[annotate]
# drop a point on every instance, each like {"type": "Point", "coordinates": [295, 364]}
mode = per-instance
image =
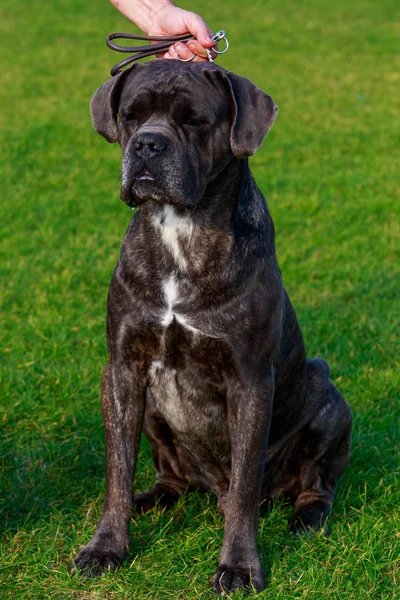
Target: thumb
{"type": "Point", "coordinates": [199, 29]}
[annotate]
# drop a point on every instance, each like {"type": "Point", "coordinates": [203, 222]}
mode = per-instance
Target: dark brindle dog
{"type": "Point", "coordinates": [205, 352]}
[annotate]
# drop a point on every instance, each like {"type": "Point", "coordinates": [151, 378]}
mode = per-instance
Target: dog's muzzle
{"type": "Point", "coordinates": [142, 170]}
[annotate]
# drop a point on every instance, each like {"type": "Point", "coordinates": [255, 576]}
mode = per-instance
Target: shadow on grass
{"type": "Point", "coordinates": [39, 478]}
{"type": "Point", "coordinates": [49, 471]}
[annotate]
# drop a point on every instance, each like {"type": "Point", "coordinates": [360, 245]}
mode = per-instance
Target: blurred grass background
{"type": "Point", "coordinates": [330, 172]}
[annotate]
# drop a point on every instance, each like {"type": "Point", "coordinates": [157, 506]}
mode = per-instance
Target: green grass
{"type": "Point", "coordinates": [329, 169]}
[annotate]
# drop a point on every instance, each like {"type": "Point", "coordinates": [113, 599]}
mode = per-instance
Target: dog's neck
{"type": "Point", "coordinates": [201, 238]}
{"type": "Point", "coordinates": [217, 206]}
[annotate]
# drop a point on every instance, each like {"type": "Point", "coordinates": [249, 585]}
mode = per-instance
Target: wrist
{"type": "Point", "coordinates": [141, 12]}
{"type": "Point", "coordinates": [154, 10]}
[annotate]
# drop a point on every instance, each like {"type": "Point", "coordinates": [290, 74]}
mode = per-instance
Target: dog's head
{"type": "Point", "coordinates": [179, 125]}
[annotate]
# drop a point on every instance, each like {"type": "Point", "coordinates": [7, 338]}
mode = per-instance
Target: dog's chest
{"type": "Point", "coordinates": [188, 394]}
{"type": "Point", "coordinates": [174, 232]}
{"type": "Point", "coordinates": [187, 401]}
{"type": "Point", "coordinates": [184, 372]}
{"type": "Point", "coordinates": [174, 341]}
{"type": "Point", "coordinates": [173, 308]}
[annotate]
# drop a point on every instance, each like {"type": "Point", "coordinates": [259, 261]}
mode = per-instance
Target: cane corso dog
{"type": "Point", "coordinates": [205, 351]}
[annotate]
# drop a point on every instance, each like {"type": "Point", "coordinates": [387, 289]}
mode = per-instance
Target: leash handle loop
{"type": "Point", "coordinates": [165, 41]}
{"type": "Point", "coordinates": [163, 45]}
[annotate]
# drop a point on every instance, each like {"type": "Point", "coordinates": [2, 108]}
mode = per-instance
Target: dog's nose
{"type": "Point", "coordinates": [147, 145]}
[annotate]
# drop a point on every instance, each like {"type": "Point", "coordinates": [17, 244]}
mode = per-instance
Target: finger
{"type": "Point", "coordinates": [166, 55]}
{"type": "Point", "coordinates": [183, 51]}
{"type": "Point", "coordinates": [169, 54]}
{"type": "Point", "coordinates": [199, 59]}
{"type": "Point", "coordinates": [200, 29]}
{"type": "Point", "coordinates": [199, 50]}
{"type": "Point", "coordinates": [172, 53]}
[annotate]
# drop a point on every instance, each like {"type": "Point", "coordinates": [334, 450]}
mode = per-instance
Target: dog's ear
{"type": "Point", "coordinates": [104, 106]}
{"type": "Point", "coordinates": [253, 115]}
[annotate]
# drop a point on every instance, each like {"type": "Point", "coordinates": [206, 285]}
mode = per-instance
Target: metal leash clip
{"type": "Point", "coordinates": [162, 45]}
{"type": "Point", "coordinates": [220, 35]}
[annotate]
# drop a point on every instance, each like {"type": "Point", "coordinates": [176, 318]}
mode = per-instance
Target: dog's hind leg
{"type": "Point", "coordinates": [323, 452]}
{"type": "Point", "coordinates": [170, 480]}
{"type": "Point", "coordinates": [158, 494]}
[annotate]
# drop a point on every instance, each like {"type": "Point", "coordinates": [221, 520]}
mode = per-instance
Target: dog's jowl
{"type": "Point", "coordinates": [205, 352]}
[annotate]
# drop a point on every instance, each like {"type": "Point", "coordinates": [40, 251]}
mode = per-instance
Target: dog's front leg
{"type": "Point", "coordinates": [249, 414]}
{"type": "Point", "coordinates": [123, 404]}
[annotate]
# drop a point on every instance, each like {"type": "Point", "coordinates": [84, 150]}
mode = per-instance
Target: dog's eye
{"type": "Point", "coordinates": [130, 118]}
{"type": "Point", "coordinates": [192, 123]}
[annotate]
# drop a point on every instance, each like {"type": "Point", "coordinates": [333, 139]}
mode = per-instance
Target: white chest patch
{"type": "Point", "coordinates": [171, 296]}
{"type": "Point", "coordinates": [170, 289]}
{"type": "Point", "coordinates": [174, 227]}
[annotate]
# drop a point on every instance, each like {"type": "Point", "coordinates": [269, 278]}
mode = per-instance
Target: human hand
{"type": "Point", "coordinates": [171, 20]}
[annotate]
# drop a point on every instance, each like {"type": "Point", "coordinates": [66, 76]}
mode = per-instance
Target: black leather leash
{"type": "Point", "coordinates": [163, 45]}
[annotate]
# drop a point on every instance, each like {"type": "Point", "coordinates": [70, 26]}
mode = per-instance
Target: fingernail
{"type": "Point", "coordinates": [191, 45]}
{"type": "Point", "coordinates": [178, 47]}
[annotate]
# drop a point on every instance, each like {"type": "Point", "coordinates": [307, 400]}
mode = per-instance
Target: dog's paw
{"type": "Point", "coordinates": [309, 519]}
{"type": "Point", "coordinates": [229, 579]}
{"type": "Point", "coordinates": [92, 563]}
{"type": "Point", "coordinates": [145, 501]}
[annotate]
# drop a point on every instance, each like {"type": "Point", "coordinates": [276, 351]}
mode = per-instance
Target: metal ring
{"type": "Point", "coordinates": [185, 59]}
{"type": "Point", "coordinates": [217, 38]}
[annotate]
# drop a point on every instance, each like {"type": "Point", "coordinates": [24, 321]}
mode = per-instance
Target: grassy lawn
{"type": "Point", "coordinates": [330, 172]}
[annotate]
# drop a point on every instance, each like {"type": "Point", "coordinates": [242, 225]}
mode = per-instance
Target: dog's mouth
{"type": "Point", "coordinates": [144, 175]}
{"type": "Point", "coordinates": [142, 186]}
